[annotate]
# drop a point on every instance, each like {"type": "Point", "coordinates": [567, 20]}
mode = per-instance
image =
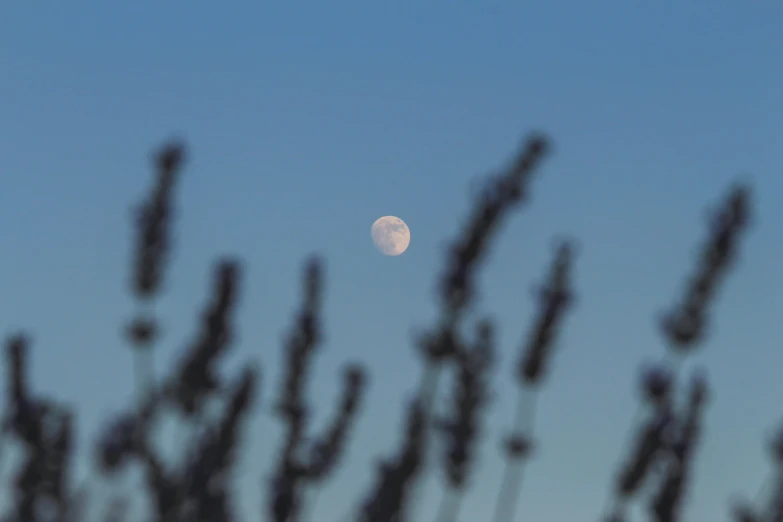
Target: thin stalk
{"type": "Point", "coordinates": [428, 388]}
{"type": "Point", "coordinates": [143, 371]}
{"type": "Point", "coordinates": [308, 506]}
{"type": "Point", "coordinates": [449, 506]}
{"type": "Point", "coordinates": [513, 473]}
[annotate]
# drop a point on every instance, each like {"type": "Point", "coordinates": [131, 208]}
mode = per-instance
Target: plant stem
{"type": "Point", "coordinates": [449, 506]}
{"type": "Point", "coordinates": [513, 473]}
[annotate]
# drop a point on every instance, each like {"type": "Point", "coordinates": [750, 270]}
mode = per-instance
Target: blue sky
{"type": "Point", "coordinates": [307, 121]}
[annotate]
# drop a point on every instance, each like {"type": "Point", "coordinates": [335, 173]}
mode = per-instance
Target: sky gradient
{"type": "Point", "coordinates": [306, 121]}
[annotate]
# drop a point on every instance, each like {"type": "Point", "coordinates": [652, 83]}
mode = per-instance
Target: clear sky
{"type": "Point", "coordinates": [309, 120]}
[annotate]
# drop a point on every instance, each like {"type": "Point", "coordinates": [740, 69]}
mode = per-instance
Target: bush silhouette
{"type": "Point", "coordinates": [44, 488]}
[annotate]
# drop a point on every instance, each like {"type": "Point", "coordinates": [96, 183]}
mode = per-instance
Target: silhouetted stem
{"type": "Point", "coordinates": [513, 473]}
{"type": "Point", "coordinates": [143, 371]}
{"type": "Point", "coordinates": [308, 504]}
{"type": "Point", "coordinates": [449, 506]}
{"type": "Point", "coordinates": [509, 491]}
{"type": "Point", "coordinates": [427, 391]}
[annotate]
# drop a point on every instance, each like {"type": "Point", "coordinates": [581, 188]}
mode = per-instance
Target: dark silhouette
{"type": "Point", "coordinates": [43, 487]}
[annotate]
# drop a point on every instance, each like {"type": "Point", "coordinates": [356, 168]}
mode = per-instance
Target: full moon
{"type": "Point", "coordinates": [390, 235]}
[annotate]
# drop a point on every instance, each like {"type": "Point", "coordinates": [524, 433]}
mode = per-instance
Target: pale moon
{"type": "Point", "coordinates": [391, 235]}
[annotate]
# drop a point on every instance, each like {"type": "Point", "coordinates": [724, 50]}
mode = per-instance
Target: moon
{"type": "Point", "coordinates": [391, 235]}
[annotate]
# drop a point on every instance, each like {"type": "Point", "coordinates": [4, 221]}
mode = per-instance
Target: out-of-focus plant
{"type": "Point", "coordinates": [198, 489]}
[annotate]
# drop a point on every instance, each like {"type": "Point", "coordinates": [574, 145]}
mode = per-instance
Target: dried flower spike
{"type": "Point", "coordinates": [154, 220]}
{"type": "Point", "coordinates": [471, 392]}
{"type": "Point", "coordinates": [657, 384]}
{"type": "Point", "coordinates": [555, 298]}
{"type": "Point", "coordinates": [686, 325]}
